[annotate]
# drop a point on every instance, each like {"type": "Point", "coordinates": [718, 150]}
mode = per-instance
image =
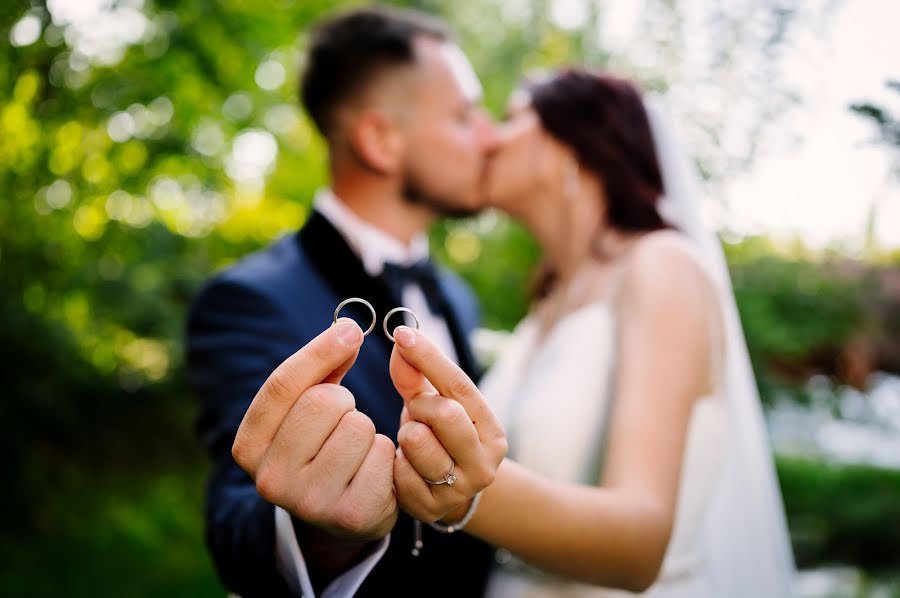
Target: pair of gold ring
{"type": "Point", "coordinates": [374, 315]}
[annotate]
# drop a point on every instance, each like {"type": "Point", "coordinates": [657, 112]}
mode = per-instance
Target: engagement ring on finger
{"type": "Point", "coordinates": [449, 479]}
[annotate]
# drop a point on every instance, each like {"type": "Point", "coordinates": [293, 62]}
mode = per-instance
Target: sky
{"type": "Point", "coordinates": [823, 189]}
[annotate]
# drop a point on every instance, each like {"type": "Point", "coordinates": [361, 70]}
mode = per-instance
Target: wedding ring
{"type": "Point", "coordinates": [357, 300]}
{"type": "Point", "coordinates": [392, 312]}
{"type": "Point", "coordinates": [449, 479]}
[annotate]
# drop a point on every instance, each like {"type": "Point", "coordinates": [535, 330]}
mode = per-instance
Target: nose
{"type": "Point", "coordinates": [486, 131]}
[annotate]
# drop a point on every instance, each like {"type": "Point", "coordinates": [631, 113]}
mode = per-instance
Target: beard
{"type": "Point", "coordinates": [414, 192]}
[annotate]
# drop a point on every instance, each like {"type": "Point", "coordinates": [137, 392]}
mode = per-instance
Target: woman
{"type": "Point", "coordinates": [625, 394]}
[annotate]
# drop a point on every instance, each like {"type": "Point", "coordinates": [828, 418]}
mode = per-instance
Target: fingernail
{"type": "Point", "coordinates": [404, 336]}
{"type": "Point", "coordinates": [348, 331]}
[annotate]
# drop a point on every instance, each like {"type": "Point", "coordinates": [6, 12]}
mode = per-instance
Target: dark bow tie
{"type": "Point", "coordinates": [423, 274]}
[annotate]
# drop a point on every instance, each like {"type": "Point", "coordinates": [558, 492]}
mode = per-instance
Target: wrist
{"type": "Point", "coordinates": [329, 553]}
{"type": "Point", "coordinates": [456, 514]}
{"type": "Point", "coordinates": [458, 524]}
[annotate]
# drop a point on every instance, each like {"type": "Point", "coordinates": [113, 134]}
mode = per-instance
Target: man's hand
{"type": "Point", "coordinates": [445, 422]}
{"type": "Point", "coordinates": [310, 451]}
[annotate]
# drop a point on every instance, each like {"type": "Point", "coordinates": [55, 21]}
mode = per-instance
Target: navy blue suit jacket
{"type": "Point", "coordinates": [245, 322]}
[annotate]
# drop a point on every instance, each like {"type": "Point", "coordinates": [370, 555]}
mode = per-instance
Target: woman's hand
{"type": "Point", "coordinates": [448, 433]}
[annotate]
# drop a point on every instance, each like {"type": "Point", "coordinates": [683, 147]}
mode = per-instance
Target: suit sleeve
{"type": "Point", "coordinates": [231, 333]}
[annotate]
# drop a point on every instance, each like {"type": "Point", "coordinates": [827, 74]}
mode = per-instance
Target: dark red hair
{"type": "Point", "coordinates": [603, 120]}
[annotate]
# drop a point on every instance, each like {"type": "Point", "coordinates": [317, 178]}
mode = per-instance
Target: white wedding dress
{"type": "Point", "coordinates": [555, 399]}
{"type": "Point", "coordinates": [730, 538]}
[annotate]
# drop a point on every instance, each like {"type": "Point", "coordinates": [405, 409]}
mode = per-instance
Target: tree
{"type": "Point", "coordinates": [144, 145]}
{"type": "Point", "coordinates": [887, 125]}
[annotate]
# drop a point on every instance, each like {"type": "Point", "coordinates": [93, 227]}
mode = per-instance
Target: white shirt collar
{"type": "Point", "coordinates": [374, 247]}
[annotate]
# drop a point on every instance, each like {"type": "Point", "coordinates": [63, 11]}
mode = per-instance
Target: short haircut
{"type": "Point", "coordinates": [347, 52]}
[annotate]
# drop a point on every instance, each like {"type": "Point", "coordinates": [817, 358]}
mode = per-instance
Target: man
{"type": "Point", "coordinates": [311, 505]}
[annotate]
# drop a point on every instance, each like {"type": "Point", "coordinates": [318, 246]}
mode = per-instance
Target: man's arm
{"type": "Point", "coordinates": [229, 330]}
{"type": "Point", "coordinates": [227, 362]}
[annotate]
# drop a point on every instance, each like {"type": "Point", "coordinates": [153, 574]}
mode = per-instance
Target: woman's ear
{"type": "Point", "coordinates": [377, 142]}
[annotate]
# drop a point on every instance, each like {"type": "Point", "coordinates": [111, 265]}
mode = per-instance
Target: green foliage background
{"type": "Point", "coordinates": [103, 242]}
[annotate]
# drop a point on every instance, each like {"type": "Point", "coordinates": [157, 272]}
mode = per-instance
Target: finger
{"type": "Point", "coordinates": [371, 491]}
{"type": "Point", "coordinates": [408, 381]}
{"type": "Point", "coordinates": [337, 376]}
{"type": "Point", "coordinates": [306, 427]}
{"type": "Point", "coordinates": [328, 356]}
{"type": "Point", "coordinates": [341, 456]}
{"type": "Point", "coordinates": [413, 493]}
{"type": "Point", "coordinates": [447, 377]}
{"type": "Point", "coordinates": [423, 356]}
{"type": "Point", "coordinates": [425, 452]}
{"type": "Point", "coordinates": [448, 422]}
{"type": "Point", "coordinates": [325, 358]}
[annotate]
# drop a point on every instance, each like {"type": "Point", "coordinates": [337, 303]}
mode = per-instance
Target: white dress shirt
{"type": "Point", "coordinates": [375, 248]}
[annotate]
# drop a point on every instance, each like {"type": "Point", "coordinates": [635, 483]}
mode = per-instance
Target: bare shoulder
{"type": "Point", "coordinates": [665, 265]}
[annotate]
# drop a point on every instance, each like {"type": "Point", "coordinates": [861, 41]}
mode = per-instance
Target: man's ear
{"type": "Point", "coordinates": [377, 142]}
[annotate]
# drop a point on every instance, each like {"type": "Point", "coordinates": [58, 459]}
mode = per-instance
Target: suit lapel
{"type": "Point", "coordinates": [341, 268]}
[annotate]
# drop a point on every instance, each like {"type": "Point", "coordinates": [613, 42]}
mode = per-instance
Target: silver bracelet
{"type": "Point", "coordinates": [455, 527]}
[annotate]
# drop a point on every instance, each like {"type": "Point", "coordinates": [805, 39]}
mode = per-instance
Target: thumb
{"type": "Point", "coordinates": [344, 325]}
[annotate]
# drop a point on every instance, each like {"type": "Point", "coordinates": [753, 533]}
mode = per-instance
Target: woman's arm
{"type": "Point", "coordinates": [617, 534]}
